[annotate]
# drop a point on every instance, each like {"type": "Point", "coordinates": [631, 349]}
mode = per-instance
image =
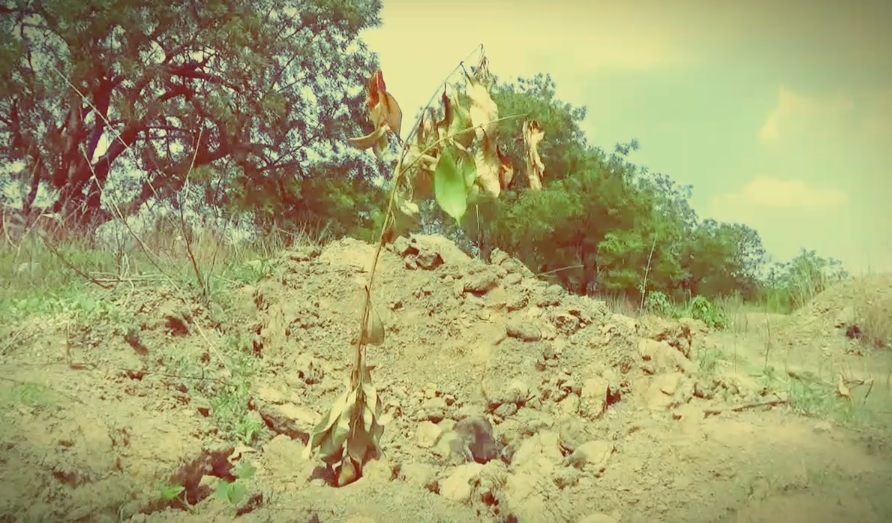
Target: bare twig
{"type": "Point", "coordinates": [71, 266]}
{"type": "Point", "coordinates": [646, 271]}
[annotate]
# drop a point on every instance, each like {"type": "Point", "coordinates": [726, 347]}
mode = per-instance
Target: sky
{"type": "Point", "coordinates": [779, 114]}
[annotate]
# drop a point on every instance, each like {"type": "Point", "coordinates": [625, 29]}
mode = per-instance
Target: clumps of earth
{"type": "Point", "coordinates": [511, 400]}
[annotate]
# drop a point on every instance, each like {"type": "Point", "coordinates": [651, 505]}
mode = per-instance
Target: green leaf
{"type": "Point", "coordinates": [450, 186]}
{"type": "Point", "coordinates": [170, 492]}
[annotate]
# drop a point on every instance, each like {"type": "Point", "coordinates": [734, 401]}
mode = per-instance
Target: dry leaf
{"type": "Point", "coordinates": [481, 72]}
{"type": "Point", "coordinates": [506, 168]}
{"type": "Point", "coordinates": [842, 389]}
{"type": "Point", "coordinates": [488, 169]}
{"type": "Point", "coordinates": [484, 111]}
{"type": "Point", "coordinates": [532, 137]}
{"type": "Point", "coordinates": [456, 123]}
{"type": "Point", "coordinates": [370, 140]}
{"type": "Point", "coordinates": [383, 107]}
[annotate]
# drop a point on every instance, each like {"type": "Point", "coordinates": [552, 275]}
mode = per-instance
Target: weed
{"type": "Point", "coordinates": [170, 493]}
{"type": "Point", "coordinates": [29, 394]}
{"type": "Point", "coordinates": [709, 360]}
{"type": "Point", "coordinates": [702, 309]}
{"type": "Point", "coordinates": [236, 492]}
{"type": "Point", "coordinates": [658, 303]}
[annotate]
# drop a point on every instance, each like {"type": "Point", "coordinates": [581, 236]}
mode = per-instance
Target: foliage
{"type": "Point", "coordinates": [793, 284]}
{"type": "Point", "coordinates": [600, 223]}
{"type": "Point", "coordinates": [658, 303]}
{"type": "Point", "coordinates": [702, 309]}
{"type": "Point", "coordinates": [249, 102]}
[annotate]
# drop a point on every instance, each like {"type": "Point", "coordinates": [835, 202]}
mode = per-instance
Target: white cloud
{"type": "Point", "coordinates": [796, 112]}
{"type": "Point", "coordinates": [776, 193]}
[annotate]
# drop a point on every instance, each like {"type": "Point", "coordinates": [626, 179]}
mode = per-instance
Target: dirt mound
{"type": "Point", "coordinates": [511, 401]}
{"type": "Point", "coordinates": [854, 309]}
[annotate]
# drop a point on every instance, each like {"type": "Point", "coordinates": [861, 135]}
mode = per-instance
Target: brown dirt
{"type": "Point", "coordinates": [596, 417]}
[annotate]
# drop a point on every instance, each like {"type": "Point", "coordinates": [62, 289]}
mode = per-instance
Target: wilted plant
{"type": "Point", "coordinates": [453, 157]}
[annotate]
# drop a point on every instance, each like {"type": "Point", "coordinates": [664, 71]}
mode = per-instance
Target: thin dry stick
{"type": "Point", "coordinates": [205, 290]}
{"type": "Point", "coordinates": [71, 266]}
{"type": "Point", "coordinates": [114, 205]}
{"type": "Point", "coordinates": [767, 341]}
{"type": "Point", "coordinates": [152, 257]}
{"type": "Point", "coordinates": [646, 271]}
{"type": "Point", "coordinates": [358, 370]}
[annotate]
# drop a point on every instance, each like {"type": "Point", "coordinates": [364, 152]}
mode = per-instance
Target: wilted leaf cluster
{"type": "Point", "coordinates": [455, 156]}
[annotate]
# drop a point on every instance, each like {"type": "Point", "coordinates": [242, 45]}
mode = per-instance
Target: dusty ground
{"type": "Point", "coordinates": [141, 405]}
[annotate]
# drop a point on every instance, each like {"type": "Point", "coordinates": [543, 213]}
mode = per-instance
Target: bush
{"type": "Point", "coordinates": [704, 310]}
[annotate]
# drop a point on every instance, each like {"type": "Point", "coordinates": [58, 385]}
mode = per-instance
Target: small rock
{"type": "Point", "coordinates": [573, 433]}
{"type": "Point", "coordinates": [378, 469]}
{"type": "Point", "coordinates": [533, 496]}
{"type": "Point", "coordinates": [434, 409]}
{"type": "Point", "coordinates": [550, 296]}
{"type": "Point", "coordinates": [569, 406]}
{"type": "Point", "coordinates": [426, 434]}
{"type": "Point", "coordinates": [401, 245]}
{"type": "Point", "coordinates": [505, 410]}
{"type": "Point", "coordinates": [290, 419]}
{"type": "Point", "coordinates": [539, 454]}
{"type": "Point", "coordinates": [661, 393]}
{"type": "Point", "coordinates": [419, 474]}
{"type": "Point", "coordinates": [304, 253]}
{"type": "Point", "coordinates": [565, 477]}
{"type": "Point", "coordinates": [593, 397]}
{"type": "Point", "coordinates": [513, 278]}
{"type": "Point", "coordinates": [481, 283]}
{"type": "Point", "coordinates": [533, 420]}
{"type": "Point", "coordinates": [514, 266]}
{"type": "Point", "coordinates": [458, 485]}
{"type": "Point", "coordinates": [428, 260]}
{"type": "Point", "coordinates": [492, 479]}
{"type": "Point", "coordinates": [517, 301]}
{"type": "Point", "coordinates": [517, 392]}
{"type": "Point", "coordinates": [593, 453]}
{"type": "Point", "coordinates": [477, 433]}
{"type": "Point", "coordinates": [497, 256]}
{"type": "Point", "coordinates": [469, 410]}
{"type": "Point", "coordinates": [452, 449]}
{"type": "Point", "coordinates": [523, 330]}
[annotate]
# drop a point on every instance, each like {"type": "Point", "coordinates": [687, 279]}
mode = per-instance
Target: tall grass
{"type": "Point", "coordinates": [52, 257]}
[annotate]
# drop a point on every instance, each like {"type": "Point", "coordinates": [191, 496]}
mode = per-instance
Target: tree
{"type": "Point", "coordinates": [248, 97]}
{"type": "Point", "coordinates": [602, 222]}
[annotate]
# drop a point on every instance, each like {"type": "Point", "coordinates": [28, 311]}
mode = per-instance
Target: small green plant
{"type": "Point", "coordinates": [658, 303]}
{"type": "Point", "coordinates": [170, 492]}
{"type": "Point", "coordinates": [30, 394]}
{"type": "Point", "coordinates": [229, 403]}
{"type": "Point", "coordinates": [707, 312]}
{"type": "Point", "coordinates": [236, 492]}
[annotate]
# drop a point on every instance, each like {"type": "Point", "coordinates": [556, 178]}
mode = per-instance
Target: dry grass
{"type": "Point", "coordinates": [622, 305]}
{"type": "Point", "coordinates": [873, 311]}
{"type": "Point", "coordinates": [51, 256]}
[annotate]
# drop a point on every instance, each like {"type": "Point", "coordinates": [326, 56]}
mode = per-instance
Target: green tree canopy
{"type": "Point", "coordinates": [602, 222]}
{"type": "Point", "coordinates": [254, 98]}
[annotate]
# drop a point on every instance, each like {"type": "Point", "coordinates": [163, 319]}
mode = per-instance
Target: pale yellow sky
{"type": "Point", "coordinates": [778, 113]}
